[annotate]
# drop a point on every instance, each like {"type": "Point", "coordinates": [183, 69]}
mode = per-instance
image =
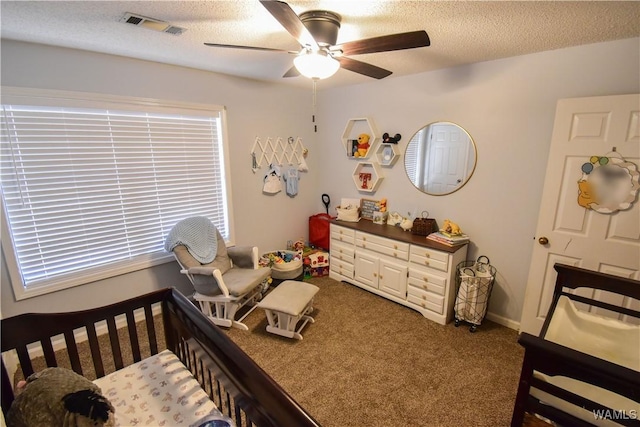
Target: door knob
{"type": "Point", "coordinates": [543, 241]}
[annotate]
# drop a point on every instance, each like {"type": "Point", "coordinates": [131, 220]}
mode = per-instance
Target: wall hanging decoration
{"type": "Point", "coordinates": [279, 152]}
{"type": "Point", "coordinates": [608, 184]}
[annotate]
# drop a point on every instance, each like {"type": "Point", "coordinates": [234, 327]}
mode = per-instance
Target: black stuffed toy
{"type": "Point", "coordinates": [388, 139]}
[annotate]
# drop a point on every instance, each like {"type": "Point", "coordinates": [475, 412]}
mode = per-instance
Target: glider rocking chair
{"type": "Point", "coordinates": [225, 279]}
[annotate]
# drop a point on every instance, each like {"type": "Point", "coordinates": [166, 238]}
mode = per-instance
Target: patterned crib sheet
{"type": "Point", "coordinates": [157, 391]}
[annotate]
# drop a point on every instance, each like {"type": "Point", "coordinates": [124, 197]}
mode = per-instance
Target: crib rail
{"type": "Point", "coordinates": [239, 387]}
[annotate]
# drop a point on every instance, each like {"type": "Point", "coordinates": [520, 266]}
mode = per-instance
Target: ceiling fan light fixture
{"type": "Point", "coordinates": [316, 65]}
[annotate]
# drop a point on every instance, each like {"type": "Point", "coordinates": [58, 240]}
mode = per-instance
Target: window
{"type": "Point", "coordinates": [91, 185]}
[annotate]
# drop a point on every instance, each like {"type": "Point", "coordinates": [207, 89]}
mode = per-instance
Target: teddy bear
{"type": "Point", "coordinates": [451, 228]}
{"type": "Point", "coordinates": [382, 205]}
{"type": "Point", "coordinates": [363, 145]}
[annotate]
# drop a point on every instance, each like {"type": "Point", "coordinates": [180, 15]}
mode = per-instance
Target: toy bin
{"type": "Point", "coordinates": [285, 265]}
{"type": "Point", "coordinates": [474, 280]}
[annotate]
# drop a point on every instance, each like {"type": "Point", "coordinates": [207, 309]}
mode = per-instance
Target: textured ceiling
{"type": "Point", "coordinates": [461, 32]}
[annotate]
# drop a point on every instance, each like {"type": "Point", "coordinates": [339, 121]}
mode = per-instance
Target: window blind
{"type": "Point", "coordinates": [86, 189]}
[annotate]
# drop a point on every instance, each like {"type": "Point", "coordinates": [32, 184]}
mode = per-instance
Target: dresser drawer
{"type": "Point", "coordinates": [427, 281]}
{"type": "Point", "coordinates": [341, 267]}
{"type": "Point", "coordinates": [342, 252]}
{"type": "Point", "coordinates": [341, 234]}
{"type": "Point", "coordinates": [426, 300]}
{"type": "Point", "coordinates": [429, 258]}
{"type": "Point", "coordinates": [392, 248]}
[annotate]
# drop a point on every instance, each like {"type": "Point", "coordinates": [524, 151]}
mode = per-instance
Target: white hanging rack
{"type": "Point", "coordinates": [278, 153]}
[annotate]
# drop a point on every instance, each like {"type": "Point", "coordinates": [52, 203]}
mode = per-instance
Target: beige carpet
{"type": "Point", "coordinates": [367, 361]}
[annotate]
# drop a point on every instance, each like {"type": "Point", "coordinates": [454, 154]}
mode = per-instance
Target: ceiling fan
{"type": "Point", "coordinates": [317, 33]}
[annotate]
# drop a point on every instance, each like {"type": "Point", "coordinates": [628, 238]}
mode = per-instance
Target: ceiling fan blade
{"type": "Point", "coordinates": [292, 72]}
{"type": "Point", "coordinates": [398, 41]}
{"type": "Point", "coordinates": [233, 46]}
{"type": "Point", "coordinates": [290, 21]}
{"type": "Point", "coordinates": [363, 68]}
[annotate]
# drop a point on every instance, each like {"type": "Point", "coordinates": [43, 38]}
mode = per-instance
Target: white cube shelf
{"type": "Point", "coordinates": [367, 176]}
{"type": "Point", "coordinates": [387, 154]}
{"type": "Point", "coordinates": [354, 128]}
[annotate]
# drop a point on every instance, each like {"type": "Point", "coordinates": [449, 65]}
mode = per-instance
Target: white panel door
{"type": "Point", "coordinates": [584, 127]}
{"type": "Point", "coordinates": [366, 268]}
{"type": "Point", "coordinates": [392, 278]}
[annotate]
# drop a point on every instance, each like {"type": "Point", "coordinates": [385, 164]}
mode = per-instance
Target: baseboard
{"type": "Point", "coordinates": [35, 350]}
{"type": "Point", "coordinates": [511, 324]}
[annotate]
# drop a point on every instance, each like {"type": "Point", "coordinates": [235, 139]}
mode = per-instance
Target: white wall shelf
{"type": "Point", "coordinates": [356, 127]}
{"type": "Point", "coordinates": [367, 176]}
{"type": "Point", "coordinates": [387, 154]}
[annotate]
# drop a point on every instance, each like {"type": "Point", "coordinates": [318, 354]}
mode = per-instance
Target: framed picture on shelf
{"type": "Point", "coordinates": [368, 207]}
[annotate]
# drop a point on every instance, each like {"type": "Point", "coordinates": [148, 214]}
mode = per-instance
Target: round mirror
{"type": "Point", "coordinates": [440, 158]}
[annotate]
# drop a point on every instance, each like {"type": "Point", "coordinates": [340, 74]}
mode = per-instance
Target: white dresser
{"type": "Point", "coordinates": [397, 265]}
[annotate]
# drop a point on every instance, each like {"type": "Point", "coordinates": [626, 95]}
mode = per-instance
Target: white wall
{"type": "Point", "coordinates": [253, 109]}
{"type": "Point", "coordinates": [508, 107]}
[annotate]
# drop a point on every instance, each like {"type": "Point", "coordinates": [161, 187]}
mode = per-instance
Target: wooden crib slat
{"type": "Point", "coordinates": [115, 343]}
{"type": "Point", "coordinates": [238, 415]}
{"type": "Point", "coordinates": [133, 337]}
{"type": "Point", "coordinates": [151, 329]}
{"type": "Point", "coordinates": [25, 361]}
{"type": "Point", "coordinates": [72, 351]}
{"type": "Point", "coordinates": [6, 392]}
{"type": "Point", "coordinates": [94, 346]}
{"type": "Point", "coordinates": [49, 354]}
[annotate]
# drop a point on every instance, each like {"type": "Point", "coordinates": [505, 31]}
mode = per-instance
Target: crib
{"type": "Point", "coordinates": [237, 386]}
{"type": "Point", "coordinates": [584, 368]}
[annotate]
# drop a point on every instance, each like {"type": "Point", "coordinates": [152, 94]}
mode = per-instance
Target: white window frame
{"type": "Point", "coordinates": [39, 97]}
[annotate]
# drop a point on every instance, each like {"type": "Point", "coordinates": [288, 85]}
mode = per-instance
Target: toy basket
{"type": "Point", "coordinates": [423, 226]}
{"type": "Point", "coordinates": [475, 282]}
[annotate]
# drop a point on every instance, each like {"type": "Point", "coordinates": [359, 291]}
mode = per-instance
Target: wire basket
{"type": "Point", "coordinates": [474, 281]}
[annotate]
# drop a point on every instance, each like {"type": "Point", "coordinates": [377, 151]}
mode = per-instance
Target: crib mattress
{"type": "Point", "coordinates": [157, 391]}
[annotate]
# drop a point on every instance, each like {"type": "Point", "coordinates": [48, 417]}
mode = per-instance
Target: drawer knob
{"type": "Point", "coordinates": [425, 279]}
{"type": "Point", "coordinates": [395, 246]}
{"type": "Point", "coordinates": [375, 274]}
{"type": "Point", "coordinates": [364, 238]}
{"type": "Point", "coordinates": [426, 262]}
{"type": "Point", "coordinates": [424, 297]}
{"type": "Point", "coordinates": [426, 254]}
{"type": "Point", "coordinates": [425, 287]}
{"type": "Point", "coordinates": [395, 255]}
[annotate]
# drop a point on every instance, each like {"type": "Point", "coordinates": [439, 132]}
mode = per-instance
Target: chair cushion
{"type": "Point", "coordinates": [239, 281]}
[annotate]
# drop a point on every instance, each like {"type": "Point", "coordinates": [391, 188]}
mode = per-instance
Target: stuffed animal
{"type": "Point", "coordinates": [382, 205]}
{"type": "Point", "coordinates": [394, 219]}
{"type": "Point", "coordinates": [363, 145]}
{"type": "Point", "coordinates": [59, 397]}
{"type": "Point", "coordinates": [451, 228]}
{"type": "Point", "coordinates": [406, 224]}
{"type": "Point", "coordinates": [388, 139]}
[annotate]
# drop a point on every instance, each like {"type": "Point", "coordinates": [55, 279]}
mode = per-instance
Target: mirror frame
{"type": "Point", "coordinates": [468, 176]}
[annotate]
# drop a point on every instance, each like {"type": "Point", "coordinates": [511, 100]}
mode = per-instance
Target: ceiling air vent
{"type": "Point", "coordinates": [152, 24]}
